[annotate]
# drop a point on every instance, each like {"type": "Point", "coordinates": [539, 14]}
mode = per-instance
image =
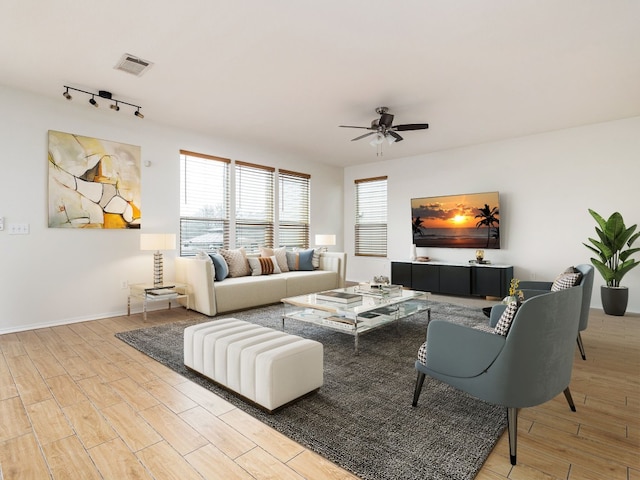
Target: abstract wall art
{"type": "Point", "coordinates": [93, 183]}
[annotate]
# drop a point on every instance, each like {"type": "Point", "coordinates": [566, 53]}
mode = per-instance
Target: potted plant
{"type": "Point", "coordinates": [613, 261]}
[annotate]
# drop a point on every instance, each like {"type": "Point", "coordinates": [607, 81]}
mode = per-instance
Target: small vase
{"type": "Point", "coordinates": [413, 254]}
{"type": "Point", "coordinates": [509, 298]}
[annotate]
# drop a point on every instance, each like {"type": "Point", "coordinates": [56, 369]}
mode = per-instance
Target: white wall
{"type": "Point", "coordinates": [546, 183]}
{"type": "Point", "coordinates": [54, 276]}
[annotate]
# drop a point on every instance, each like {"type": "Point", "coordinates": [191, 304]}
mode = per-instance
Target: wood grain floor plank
{"type": "Point", "coordinates": [114, 460]}
{"type": "Point", "coordinates": [68, 459]}
{"type": "Point", "coordinates": [229, 441]}
{"type": "Point", "coordinates": [165, 463]}
{"type": "Point", "coordinates": [49, 422]}
{"type": "Point", "coordinates": [90, 426]}
{"type": "Point", "coordinates": [212, 464]}
{"type": "Point", "coordinates": [21, 458]}
{"type": "Point", "coordinates": [131, 427]}
{"type": "Point", "coordinates": [178, 433]}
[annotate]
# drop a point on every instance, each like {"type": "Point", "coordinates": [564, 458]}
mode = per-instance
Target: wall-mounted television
{"type": "Point", "coordinates": [457, 221]}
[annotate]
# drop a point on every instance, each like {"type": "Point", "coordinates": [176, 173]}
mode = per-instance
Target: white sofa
{"type": "Point", "coordinates": [237, 293]}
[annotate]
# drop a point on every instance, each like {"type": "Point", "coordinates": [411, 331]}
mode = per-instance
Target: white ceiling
{"type": "Point", "coordinates": [283, 74]}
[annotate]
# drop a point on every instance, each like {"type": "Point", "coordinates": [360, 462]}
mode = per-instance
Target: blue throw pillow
{"type": "Point", "coordinates": [305, 259]}
{"type": "Point", "coordinates": [300, 260]}
{"type": "Point", "coordinates": [220, 266]}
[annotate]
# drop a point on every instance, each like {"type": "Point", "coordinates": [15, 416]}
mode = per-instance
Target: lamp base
{"type": "Point", "coordinates": [157, 269]}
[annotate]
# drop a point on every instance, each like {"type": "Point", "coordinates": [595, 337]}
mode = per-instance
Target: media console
{"type": "Point", "coordinates": [453, 278]}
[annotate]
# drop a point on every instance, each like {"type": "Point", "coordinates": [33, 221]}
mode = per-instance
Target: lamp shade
{"type": "Point", "coordinates": [324, 240]}
{"type": "Point", "coordinates": [157, 241]}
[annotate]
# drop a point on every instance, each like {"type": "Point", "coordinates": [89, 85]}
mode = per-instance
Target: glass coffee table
{"type": "Point", "coordinates": [370, 310]}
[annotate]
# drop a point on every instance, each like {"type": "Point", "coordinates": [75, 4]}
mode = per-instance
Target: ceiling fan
{"type": "Point", "coordinates": [383, 128]}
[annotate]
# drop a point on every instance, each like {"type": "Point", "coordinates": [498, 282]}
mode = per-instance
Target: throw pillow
{"type": "Point", "coordinates": [504, 324]}
{"type": "Point", "coordinates": [237, 261]}
{"type": "Point", "coordinates": [220, 266]}
{"type": "Point", "coordinates": [422, 353]}
{"type": "Point", "coordinates": [263, 265]}
{"type": "Point", "coordinates": [279, 253]}
{"type": "Point", "coordinates": [300, 260]}
{"type": "Point", "coordinates": [567, 279]}
{"type": "Point", "coordinates": [315, 261]}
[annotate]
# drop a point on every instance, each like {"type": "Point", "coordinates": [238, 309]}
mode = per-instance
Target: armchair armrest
{"type": "Point", "coordinates": [460, 351]}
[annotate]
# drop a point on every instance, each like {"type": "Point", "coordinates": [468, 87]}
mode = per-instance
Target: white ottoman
{"type": "Point", "coordinates": [268, 367]}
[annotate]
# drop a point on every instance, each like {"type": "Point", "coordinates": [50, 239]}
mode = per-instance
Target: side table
{"type": "Point", "coordinates": [144, 292]}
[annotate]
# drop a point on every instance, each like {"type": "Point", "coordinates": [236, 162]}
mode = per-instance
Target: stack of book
{"type": "Point", "coordinates": [161, 292]}
{"type": "Point", "coordinates": [343, 298]}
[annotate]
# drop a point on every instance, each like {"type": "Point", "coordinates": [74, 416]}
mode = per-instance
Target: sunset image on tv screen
{"type": "Point", "coordinates": [457, 221]}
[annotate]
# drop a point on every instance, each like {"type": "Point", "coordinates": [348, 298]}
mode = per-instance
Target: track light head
{"type": "Point", "coordinates": [67, 95]}
{"type": "Point", "coordinates": [138, 114]}
{"type": "Point", "coordinates": [115, 107]}
{"type": "Point", "coordinates": [93, 102]}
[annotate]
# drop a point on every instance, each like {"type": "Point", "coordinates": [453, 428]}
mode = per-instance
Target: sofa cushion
{"type": "Point", "coordinates": [247, 292]}
{"type": "Point", "coordinates": [279, 253]}
{"type": "Point", "coordinates": [300, 260]}
{"type": "Point", "coordinates": [302, 283]}
{"type": "Point", "coordinates": [237, 261]}
{"type": "Point", "coordinates": [263, 265]}
{"type": "Point", "coordinates": [221, 269]}
{"type": "Point", "coordinates": [567, 279]}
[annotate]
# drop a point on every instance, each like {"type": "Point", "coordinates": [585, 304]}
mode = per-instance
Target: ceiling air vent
{"type": "Point", "coordinates": [133, 65]}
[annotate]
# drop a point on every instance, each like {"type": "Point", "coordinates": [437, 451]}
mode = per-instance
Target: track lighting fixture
{"type": "Point", "coordinates": [107, 96]}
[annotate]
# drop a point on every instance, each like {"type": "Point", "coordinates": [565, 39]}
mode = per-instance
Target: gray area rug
{"type": "Point", "coordinates": [362, 418]}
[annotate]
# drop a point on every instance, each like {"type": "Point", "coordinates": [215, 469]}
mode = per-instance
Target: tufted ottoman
{"type": "Point", "coordinates": [268, 367]}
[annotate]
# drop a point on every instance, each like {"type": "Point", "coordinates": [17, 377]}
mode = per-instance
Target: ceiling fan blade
{"type": "Point", "coordinates": [352, 126]}
{"type": "Point", "coordinates": [395, 135]}
{"type": "Point", "coordinates": [411, 126]}
{"type": "Point", "coordinates": [362, 136]}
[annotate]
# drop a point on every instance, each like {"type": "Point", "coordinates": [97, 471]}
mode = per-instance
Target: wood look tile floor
{"type": "Point", "coordinates": [77, 403]}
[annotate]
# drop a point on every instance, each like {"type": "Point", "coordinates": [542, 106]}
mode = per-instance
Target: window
{"type": "Point", "coordinates": [254, 206]}
{"type": "Point", "coordinates": [204, 202]}
{"type": "Point", "coordinates": [371, 217]}
{"type": "Point", "coordinates": [293, 225]}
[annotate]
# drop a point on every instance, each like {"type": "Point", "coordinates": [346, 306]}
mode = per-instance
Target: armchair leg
{"type": "Point", "coordinates": [581, 347]}
{"type": "Point", "coordinates": [416, 393]}
{"type": "Point", "coordinates": [512, 426]}
{"type": "Point", "coordinates": [567, 394]}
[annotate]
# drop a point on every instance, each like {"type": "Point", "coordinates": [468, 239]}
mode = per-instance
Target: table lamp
{"type": "Point", "coordinates": [157, 242]}
{"type": "Point", "coordinates": [325, 240]}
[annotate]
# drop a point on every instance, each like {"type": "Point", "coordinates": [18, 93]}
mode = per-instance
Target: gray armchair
{"type": "Point", "coordinates": [527, 367]}
{"type": "Point", "coordinates": [533, 288]}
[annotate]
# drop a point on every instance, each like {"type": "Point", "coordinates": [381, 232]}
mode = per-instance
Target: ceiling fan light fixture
{"type": "Point", "coordinates": [377, 140]}
{"type": "Point", "coordinates": [391, 139]}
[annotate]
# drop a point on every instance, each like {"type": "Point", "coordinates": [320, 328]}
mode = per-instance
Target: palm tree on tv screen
{"type": "Point", "coordinates": [490, 220]}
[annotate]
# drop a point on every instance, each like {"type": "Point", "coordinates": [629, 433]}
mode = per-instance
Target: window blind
{"type": "Point", "coordinates": [254, 206]}
{"type": "Point", "coordinates": [204, 202]}
{"type": "Point", "coordinates": [293, 214]}
{"type": "Point", "coordinates": [371, 217]}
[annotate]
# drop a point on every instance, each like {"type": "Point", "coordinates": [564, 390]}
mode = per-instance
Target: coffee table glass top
{"type": "Point", "coordinates": [372, 310]}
